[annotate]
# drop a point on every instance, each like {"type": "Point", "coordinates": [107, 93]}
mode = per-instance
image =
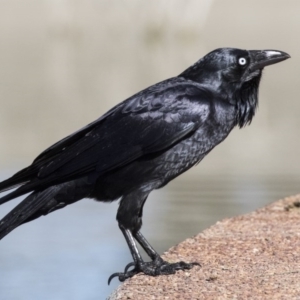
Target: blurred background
{"type": "Point", "coordinates": [64, 63]}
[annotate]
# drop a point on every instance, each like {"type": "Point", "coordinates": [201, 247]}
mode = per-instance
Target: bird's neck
{"type": "Point", "coordinates": [246, 101]}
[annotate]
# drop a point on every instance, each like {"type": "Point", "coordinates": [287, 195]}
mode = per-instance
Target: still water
{"type": "Point", "coordinates": [71, 253]}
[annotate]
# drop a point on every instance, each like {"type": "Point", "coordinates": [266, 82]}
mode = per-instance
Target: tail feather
{"type": "Point", "coordinates": [25, 209]}
{"type": "Point", "coordinates": [18, 179]}
{"type": "Point", "coordinates": [24, 189]}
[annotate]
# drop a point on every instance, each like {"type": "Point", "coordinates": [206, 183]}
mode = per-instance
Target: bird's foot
{"type": "Point", "coordinates": [154, 268]}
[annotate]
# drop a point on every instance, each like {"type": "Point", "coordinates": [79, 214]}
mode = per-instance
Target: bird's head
{"type": "Point", "coordinates": [232, 67]}
{"type": "Point", "coordinates": [235, 74]}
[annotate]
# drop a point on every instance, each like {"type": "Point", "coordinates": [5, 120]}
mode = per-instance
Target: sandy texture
{"type": "Point", "coordinates": [254, 256]}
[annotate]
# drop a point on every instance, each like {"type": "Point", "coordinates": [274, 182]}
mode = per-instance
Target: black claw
{"type": "Point", "coordinates": [187, 266]}
{"type": "Point", "coordinates": [128, 266]}
{"type": "Point", "coordinates": [123, 276]}
{"type": "Point", "coordinates": [118, 274]}
{"type": "Point", "coordinates": [171, 268]}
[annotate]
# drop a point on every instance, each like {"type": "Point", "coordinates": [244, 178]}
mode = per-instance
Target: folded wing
{"type": "Point", "coordinates": [136, 127]}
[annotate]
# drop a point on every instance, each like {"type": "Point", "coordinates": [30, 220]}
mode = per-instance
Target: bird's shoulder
{"type": "Point", "coordinates": [168, 94]}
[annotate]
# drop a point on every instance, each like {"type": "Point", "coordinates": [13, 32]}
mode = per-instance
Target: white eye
{"type": "Point", "coordinates": [242, 61]}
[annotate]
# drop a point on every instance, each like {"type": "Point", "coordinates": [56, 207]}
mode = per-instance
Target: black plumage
{"type": "Point", "coordinates": [141, 144]}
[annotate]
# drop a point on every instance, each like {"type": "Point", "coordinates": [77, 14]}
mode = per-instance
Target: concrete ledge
{"type": "Point", "coordinates": [254, 256]}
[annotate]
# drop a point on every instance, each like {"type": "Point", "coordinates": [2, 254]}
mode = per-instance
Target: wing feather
{"type": "Point", "coordinates": [148, 122]}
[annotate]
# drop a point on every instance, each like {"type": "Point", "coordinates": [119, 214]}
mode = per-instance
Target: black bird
{"type": "Point", "coordinates": [141, 144]}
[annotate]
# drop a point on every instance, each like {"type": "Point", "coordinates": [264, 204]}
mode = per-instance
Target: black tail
{"type": "Point", "coordinates": [18, 179]}
{"type": "Point", "coordinates": [22, 190]}
{"type": "Point", "coordinates": [25, 209]}
{"type": "Point", "coordinates": [23, 178]}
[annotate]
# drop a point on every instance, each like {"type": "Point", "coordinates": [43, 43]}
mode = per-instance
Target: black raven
{"type": "Point", "coordinates": [141, 144]}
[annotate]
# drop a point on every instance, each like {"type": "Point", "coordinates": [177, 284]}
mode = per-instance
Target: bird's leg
{"type": "Point", "coordinates": [162, 267]}
{"type": "Point", "coordinates": [129, 217]}
{"type": "Point", "coordinates": [155, 257]}
{"type": "Point", "coordinates": [147, 247]}
{"type": "Point", "coordinates": [130, 221]}
{"type": "Point", "coordinates": [137, 258]}
{"type": "Point", "coordinates": [155, 267]}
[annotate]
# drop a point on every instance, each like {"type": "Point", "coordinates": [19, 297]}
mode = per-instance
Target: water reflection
{"type": "Point", "coordinates": [71, 252]}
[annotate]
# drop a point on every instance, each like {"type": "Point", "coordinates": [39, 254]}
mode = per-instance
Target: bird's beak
{"type": "Point", "coordinates": [263, 58]}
